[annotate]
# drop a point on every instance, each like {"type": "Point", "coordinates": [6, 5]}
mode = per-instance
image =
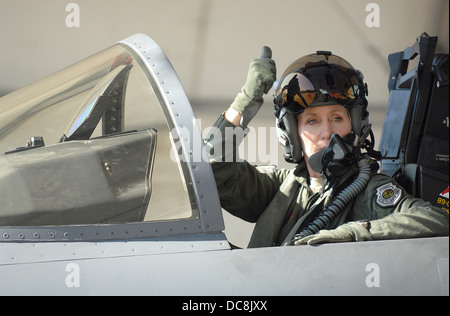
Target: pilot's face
{"type": "Point", "coordinates": [317, 124]}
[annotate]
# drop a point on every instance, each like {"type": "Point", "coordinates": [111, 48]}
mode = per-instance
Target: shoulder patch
{"type": "Point", "coordinates": [388, 195]}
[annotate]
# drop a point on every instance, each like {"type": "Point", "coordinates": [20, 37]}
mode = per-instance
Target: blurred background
{"type": "Point", "coordinates": [211, 42]}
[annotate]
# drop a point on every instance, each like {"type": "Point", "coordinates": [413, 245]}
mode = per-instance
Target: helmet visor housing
{"type": "Point", "coordinates": [316, 80]}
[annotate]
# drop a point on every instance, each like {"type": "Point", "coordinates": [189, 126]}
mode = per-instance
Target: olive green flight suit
{"type": "Point", "coordinates": [277, 199]}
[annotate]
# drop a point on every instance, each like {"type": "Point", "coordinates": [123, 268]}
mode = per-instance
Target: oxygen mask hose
{"type": "Point", "coordinates": [338, 203]}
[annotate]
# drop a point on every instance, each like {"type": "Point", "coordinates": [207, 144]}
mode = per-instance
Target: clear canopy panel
{"type": "Point", "coordinates": [91, 144]}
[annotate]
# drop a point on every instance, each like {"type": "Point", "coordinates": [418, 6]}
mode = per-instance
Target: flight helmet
{"type": "Point", "coordinates": [318, 79]}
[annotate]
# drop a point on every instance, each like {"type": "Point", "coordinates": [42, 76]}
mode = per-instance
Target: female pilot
{"type": "Point", "coordinates": [333, 193]}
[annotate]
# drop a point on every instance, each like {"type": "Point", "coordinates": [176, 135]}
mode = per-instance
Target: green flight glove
{"type": "Point", "coordinates": [260, 79]}
{"type": "Point", "coordinates": [352, 231]}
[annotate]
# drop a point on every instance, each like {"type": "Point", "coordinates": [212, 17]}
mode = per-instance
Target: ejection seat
{"type": "Point", "coordinates": [414, 142]}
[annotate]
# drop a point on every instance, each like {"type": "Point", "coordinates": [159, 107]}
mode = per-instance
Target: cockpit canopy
{"type": "Point", "coordinates": [94, 143]}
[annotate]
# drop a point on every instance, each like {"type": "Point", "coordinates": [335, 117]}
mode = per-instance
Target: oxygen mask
{"type": "Point", "coordinates": [334, 159]}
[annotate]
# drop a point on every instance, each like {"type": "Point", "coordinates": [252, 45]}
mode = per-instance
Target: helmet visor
{"type": "Point", "coordinates": [320, 86]}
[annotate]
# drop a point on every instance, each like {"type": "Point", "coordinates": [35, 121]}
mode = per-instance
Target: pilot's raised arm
{"type": "Point", "coordinates": [223, 140]}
